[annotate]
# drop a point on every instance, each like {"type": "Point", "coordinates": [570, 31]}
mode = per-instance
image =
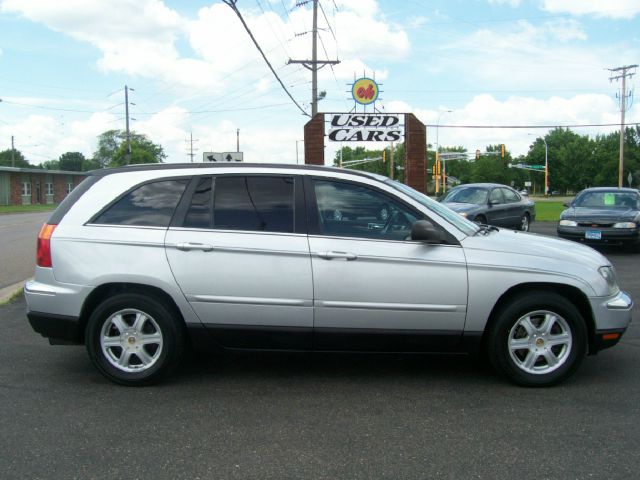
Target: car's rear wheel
{"type": "Point", "coordinates": [538, 339]}
{"type": "Point", "coordinates": [134, 339]}
{"type": "Point", "coordinates": [525, 223]}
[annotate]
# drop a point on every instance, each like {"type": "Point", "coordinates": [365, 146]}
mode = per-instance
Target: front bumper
{"type": "Point", "coordinates": [615, 236]}
{"type": "Point", "coordinates": [612, 316]}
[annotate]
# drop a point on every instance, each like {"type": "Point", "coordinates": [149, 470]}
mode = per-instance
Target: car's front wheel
{"type": "Point", "coordinates": [538, 339]}
{"type": "Point", "coordinates": [134, 339]}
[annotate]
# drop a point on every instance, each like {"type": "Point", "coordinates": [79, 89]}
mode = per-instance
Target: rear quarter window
{"type": "Point", "coordinates": [150, 205]}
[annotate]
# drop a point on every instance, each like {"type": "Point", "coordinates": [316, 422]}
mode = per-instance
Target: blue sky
{"type": "Point", "coordinates": [193, 68]}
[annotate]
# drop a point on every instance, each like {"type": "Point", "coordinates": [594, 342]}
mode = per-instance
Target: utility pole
{"type": "Point", "coordinates": [13, 151]}
{"type": "Point", "coordinates": [624, 73]}
{"type": "Point", "coordinates": [238, 140]}
{"type": "Point", "coordinates": [314, 62]}
{"type": "Point", "coordinates": [191, 149]}
{"type": "Point", "coordinates": [126, 109]}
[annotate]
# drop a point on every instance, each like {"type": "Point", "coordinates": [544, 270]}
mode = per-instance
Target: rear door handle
{"type": "Point", "coordinates": [341, 255]}
{"type": "Point", "coordinates": [187, 246]}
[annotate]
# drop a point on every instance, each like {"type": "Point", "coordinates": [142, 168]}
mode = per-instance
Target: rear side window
{"type": "Point", "coordinates": [510, 196]}
{"type": "Point", "coordinates": [258, 203]}
{"type": "Point", "coordinates": [150, 205]}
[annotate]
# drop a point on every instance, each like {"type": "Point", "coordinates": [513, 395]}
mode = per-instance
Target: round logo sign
{"type": "Point", "coordinates": [365, 91]}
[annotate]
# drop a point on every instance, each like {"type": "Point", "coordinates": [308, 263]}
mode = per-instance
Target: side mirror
{"type": "Point", "coordinates": [424, 231]}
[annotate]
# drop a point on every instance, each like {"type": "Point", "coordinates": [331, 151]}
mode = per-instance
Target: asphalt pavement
{"type": "Point", "coordinates": [316, 416]}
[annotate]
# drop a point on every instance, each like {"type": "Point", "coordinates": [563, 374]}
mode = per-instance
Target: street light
{"type": "Point", "coordinates": [444, 163]}
{"type": "Point", "coordinates": [546, 166]}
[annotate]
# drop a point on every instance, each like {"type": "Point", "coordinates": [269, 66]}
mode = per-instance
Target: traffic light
{"type": "Point", "coordinates": [477, 154]}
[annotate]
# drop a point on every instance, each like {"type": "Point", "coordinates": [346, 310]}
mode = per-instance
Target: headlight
{"type": "Point", "coordinates": [464, 214]}
{"type": "Point", "coordinates": [568, 223]}
{"type": "Point", "coordinates": [624, 225]}
{"type": "Point", "coordinates": [609, 275]}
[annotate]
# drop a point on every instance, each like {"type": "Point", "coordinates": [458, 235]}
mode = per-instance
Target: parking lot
{"type": "Point", "coordinates": [317, 416]}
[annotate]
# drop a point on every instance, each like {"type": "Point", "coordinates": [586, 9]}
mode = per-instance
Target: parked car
{"type": "Point", "coordinates": [141, 262]}
{"type": "Point", "coordinates": [601, 216]}
{"type": "Point", "coordinates": [492, 204]}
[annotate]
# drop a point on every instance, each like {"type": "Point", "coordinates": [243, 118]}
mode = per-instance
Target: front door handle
{"type": "Point", "coordinates": [187, 246]}
{"type": "Point", "coordinates": [341, 255]}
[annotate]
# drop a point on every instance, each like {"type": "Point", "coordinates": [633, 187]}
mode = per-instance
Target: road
{"type": "Point", "coordinates": [18, 253]}
{"type": "Point", "coordinates": [316, 416]}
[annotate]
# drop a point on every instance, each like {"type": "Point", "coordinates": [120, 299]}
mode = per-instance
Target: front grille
{"type": "Point", "coordinates": [595, 225]}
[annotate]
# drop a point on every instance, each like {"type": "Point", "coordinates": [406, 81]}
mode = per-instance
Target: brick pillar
{"type": "Point", "coordinates": [314, 140]}
{"type": "Point", "coordinates": [415, 147]}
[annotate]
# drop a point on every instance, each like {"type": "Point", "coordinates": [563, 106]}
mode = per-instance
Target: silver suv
{"type": "Point", "coordinates": [141, 262]}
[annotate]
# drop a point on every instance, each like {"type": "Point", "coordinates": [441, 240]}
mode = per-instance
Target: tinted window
{"type": "Point", "coordinates": [350, 210]}
{"type": "Point", "coordinates": [254, 203]}
{"type": "Point", "coordinates": [510, 196]}
{"type": "Point", "coordinates": [151, 204]}
{"type": "Point", "coordinates": [199, 212]}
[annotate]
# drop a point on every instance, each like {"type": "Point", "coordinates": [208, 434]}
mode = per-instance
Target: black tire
{"type": "Point", "coordinates": [149, 357]}
{"type": "Point", "coordinates": [525, 223]}
{"type": "Point", "coordinates": [509, 330]}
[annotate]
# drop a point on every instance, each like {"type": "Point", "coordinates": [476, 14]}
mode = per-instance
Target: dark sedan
{"type": "Point", "coordinates": [603, 215]}
{"type": "Point", "coordinates": [492, 204]}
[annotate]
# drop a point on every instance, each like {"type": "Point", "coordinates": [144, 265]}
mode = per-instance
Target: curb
{"type": "Point", "coordinates": [7, 292]}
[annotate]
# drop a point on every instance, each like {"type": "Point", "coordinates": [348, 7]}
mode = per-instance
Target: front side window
{"type": "Point", "coordinates": [254, 203]}
{"type": "Point", "coordinates": [151, 204]}
{"type": "Point", "coordinates": [496, 196]}
{"type": "Point", "coordinates": [351, 210]}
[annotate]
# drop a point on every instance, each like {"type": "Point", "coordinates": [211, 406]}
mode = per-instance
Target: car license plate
{"type": "Point", "coordinates": [593, 235]}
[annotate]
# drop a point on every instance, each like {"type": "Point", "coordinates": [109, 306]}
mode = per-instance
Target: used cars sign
{"type": "Point", "coordinates": [349, 127]}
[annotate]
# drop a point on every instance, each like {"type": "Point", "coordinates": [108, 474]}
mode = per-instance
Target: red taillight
{"type": "Point", "coordinates": [43, 253]}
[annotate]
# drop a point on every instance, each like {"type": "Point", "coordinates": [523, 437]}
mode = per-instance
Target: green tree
{"type": "Point", "coordinates": [72, 161]}
{"type": "Point", "coordinates": [112, 149]}
{"type": "Point", "coordinates": [143, 150]}
{"type": "Point", "coordinates": [51, 165]}
{"type": "Point", "coordinates": [18, 159]}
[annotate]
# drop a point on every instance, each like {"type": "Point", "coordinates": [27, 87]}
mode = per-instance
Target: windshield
{"type": "Point", "coordinates": [465, 226]}
{"type": "Point", "coordinates": [607, 200]}
{"type": "Point", "coordinates": [467, 195]}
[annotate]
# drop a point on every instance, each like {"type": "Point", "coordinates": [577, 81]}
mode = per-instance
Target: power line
{"type": "Point", "coordinates": [581, 125]}
{"type": "Point", "coordinates": [232, 4]}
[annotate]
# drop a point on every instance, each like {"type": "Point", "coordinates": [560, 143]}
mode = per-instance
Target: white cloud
{"type": "Point", "coordinates": [530, 57]}
{"type": "Point", "coordinates": [620, 9]}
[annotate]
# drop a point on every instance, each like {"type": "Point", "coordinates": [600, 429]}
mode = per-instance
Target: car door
{"type": "Point", "coordinates": [374, 288]}
{"type": "Point", "coordinates": [497, 210]}
{"type": "Point", "coordinates": [238, 250]}
{"type": "Point", "coordinates": [514, 208]}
